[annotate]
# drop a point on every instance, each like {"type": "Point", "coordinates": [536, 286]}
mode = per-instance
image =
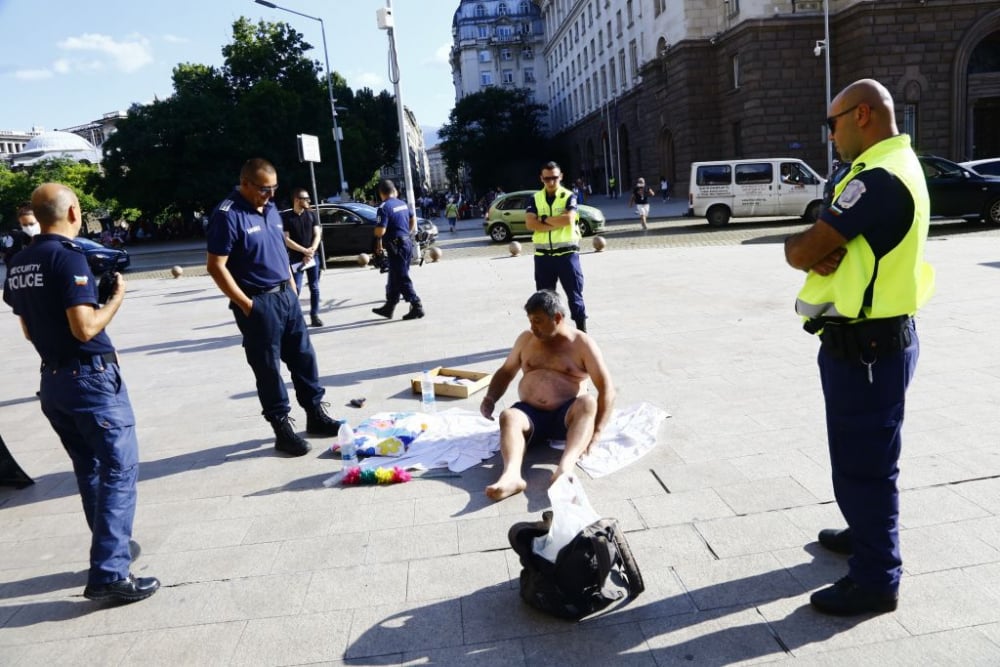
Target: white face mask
{"type": "Point", "coordinates": [31, 230]}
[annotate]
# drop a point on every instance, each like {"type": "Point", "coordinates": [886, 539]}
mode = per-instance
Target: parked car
{"type": "Point", "coordinates": [348, 229]}
{"type": "Point", "coordinates": [987, 167]}
{"type": "Point", "coordinates": [505, 218]}
{"type": "Point", "coordinates": [958, 192]}
{"type": "Point", "coordinates": [760, 187]}
{"type": "Point", "coordinates": [102, 259]}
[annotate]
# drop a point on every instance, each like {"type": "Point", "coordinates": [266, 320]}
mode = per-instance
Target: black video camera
{"type": "Point", "coordinates": [106, 286]}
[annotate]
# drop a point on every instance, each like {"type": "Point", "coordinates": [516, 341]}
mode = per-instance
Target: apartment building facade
{"type": "Point", "coordinates": [645, 87]}
{"type": "Point", "coordinates": [497, 43]}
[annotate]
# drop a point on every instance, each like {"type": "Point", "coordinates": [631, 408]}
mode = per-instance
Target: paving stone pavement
{"type": "Point", "coordinates": [261, 565]}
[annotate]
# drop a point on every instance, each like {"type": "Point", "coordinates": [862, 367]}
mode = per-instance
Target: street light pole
{"type": "Point", "coordinates": [387, 23]}
{"type": "Point", "coordinates": [826, 53]}
{"type": "Point", "coordinates": [342, 187]}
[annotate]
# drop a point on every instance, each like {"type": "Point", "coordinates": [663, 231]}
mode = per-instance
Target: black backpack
{"type": "Point", "coordinates": [594, 570]}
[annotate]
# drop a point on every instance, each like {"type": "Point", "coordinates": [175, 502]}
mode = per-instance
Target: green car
{"type": "Point", "coordinates": [505, 219]}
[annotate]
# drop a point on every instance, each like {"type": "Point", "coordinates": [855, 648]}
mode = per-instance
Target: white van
{"type": "Point", "coordinates": [754, 188]}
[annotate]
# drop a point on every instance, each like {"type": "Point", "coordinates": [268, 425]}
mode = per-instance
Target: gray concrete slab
{"type": "Point", "coordinates": [262, 565]}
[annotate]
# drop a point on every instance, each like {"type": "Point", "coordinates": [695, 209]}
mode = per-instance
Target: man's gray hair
{"type": "Point", "coordinates": [546, 301]}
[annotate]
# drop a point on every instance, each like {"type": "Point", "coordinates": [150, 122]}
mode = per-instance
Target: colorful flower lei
{"type": "Point", "coordinates": [356, 476]}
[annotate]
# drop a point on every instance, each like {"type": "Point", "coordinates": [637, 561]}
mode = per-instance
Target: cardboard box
{"type": "Point", "coordinates": [455, 383]}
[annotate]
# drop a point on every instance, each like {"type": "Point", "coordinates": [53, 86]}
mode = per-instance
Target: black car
{"type": "Point", "coordinates": [102, 259]}
{"type": "Point", "coordinates": [957, 192]}
{"type": "Point", "coordinates": [348, 229]}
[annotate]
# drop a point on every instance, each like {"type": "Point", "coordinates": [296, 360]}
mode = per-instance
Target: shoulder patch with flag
{"type": "Point", "coordinates": [80, 281]}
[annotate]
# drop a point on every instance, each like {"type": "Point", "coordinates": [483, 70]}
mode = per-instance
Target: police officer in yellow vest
{"type": "Point", "coordinates": [551, 215]}
{"type": "Point", "coordinates": [867, 278]}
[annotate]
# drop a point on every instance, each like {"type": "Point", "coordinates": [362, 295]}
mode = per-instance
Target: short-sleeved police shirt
{"type": "Point", "coordinates": [45, 279]}
{"type": "Point", "coordinates": [253, 241]}
{"type": "Point", "coordinates": [394, 215]}
{"type": "Point", "coordinates": [876, 204]}
{"type": "Point", "coordinates": [299, 227]}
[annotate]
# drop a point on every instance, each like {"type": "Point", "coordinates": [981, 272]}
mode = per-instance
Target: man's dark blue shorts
{"type": "Point", "coordinates": [545, 424]}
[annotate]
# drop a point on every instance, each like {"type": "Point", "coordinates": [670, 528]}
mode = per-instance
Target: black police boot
{"type": "Point", "coordinates": [846, 598]}
{"type": "Point", "coordinates": [287, 440]}
{"type": "Point", "coordinates": [130, 589]}
{"type": "Point", "coordinates": [320, 423]}
{"type": "Point", "coordinates": [581, 324]}
{"type": "Point", "coordinates": [385, 311]}
{"type": "Point", "coordinates": [837, 541]}
{"type": "Point", "coordinates": [416, 311]}
{"type": "Point", "coordinates": [314, 321]}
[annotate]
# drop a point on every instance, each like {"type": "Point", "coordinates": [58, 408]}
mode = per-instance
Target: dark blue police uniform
{"type": "Point", "coordinates": [275, 330]}
{"type": "Point", "coordinates": [394, 216]}
{"type": "Point", "coordinates": [563, 269]}
{"type": "Point", "coordinates": [864, 414]}
{"type": "Point", "coordinates": [83, 395]}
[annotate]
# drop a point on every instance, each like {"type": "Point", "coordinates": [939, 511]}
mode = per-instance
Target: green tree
{"type": "Point", "coordinates": [16, 186]}
{"type": "Point", "coordinates": [185, 152]}
{"type": "Point", "coordinates": [498, 134]}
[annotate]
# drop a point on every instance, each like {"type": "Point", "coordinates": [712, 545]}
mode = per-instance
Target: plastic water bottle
{"type": "Point", "coordinates": [427, 404]}
{"type": "Point", "coordinates": [348, 450]}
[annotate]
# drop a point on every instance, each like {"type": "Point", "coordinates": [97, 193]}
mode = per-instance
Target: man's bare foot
{"type": "Point", "coordinates": [505, 488]}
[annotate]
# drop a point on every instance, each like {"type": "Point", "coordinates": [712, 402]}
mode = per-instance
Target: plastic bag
{"type": "Point", "coordinates": [571, 513]}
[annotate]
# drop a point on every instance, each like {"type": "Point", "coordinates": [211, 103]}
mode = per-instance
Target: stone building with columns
{"type": "Point", "coordinates": [646, 87]}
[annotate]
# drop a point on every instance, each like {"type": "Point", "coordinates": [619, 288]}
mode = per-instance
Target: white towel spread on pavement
{"type": "Point", "coordinates": [459, 439]}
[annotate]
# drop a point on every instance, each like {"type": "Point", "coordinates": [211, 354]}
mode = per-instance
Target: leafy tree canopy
{"type": "Point", "coordinates": [186, 151]}
{"type": "Point", "coordinates": [498, 134]}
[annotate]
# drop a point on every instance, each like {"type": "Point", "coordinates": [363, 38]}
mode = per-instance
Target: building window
{"type": "Point", "coordinates": [505, 33]}
{"type": "Point", "coordinates": [483, 32]}
{"type": "Point", "coordinates": [621, 67]}
{"type": "Point", "coordinates": [507, 76]}
{"type": "Point", "coordinates": [633, 57]}
{"type": "Point", "coordinates": [736, 70]}
{"type": "Point", "coordinates": [529, 75]}
{"type": "Point", "coordinates": [526, 28]}
{"type": "Point", "coordinates": [527, 54]}
{"type": "Point", "coordinates": [521, 9]}
{"type": "Point", "coordinates": [614, 80]}
{"type": "Point", "coordinates": [600, 40]}
{"type": "Point", "coordinates": [628, 9]}
{"type": "Point", "coordinates": [505, 54]}
{"type": "Point", "coordinates": [484, 56]}
{"type": "Point", "coordinates": [598, 12]}
{"type": "Point", "coordinates": [658, 7]}
{"type": "Point", "coordinates": [910, 122]}
{"type": "Point", "coordinates": [486, 78]}
{"type": "Point", "coordinates": [734, 6]}
{"type": "Point", "coordinates": [502, 9]}
{"type": "Point", "coordinates": [618, 22]}
{"type": "Point", "coordinates": [480, 11]}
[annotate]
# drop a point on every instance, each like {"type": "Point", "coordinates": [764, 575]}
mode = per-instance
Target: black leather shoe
{"type": "Point", "coordinates": [287, 440]}
{"type": "Point", "coordinates": [846, 598]}
{"type": "Point", "coordinates": [385, 311]}
{"type": "Point", "coordinates": [416, 312]}
{"type": "Point", "coordinates": [320, 423]}
{"type": "Point", "coordinates": [134, 550]}
{"type": "Point", "coordinates": [315, 321]}
{"type": "Point", "coordinates": [837, 541]}
{"type": "Point", "coordinates": [129, 589]}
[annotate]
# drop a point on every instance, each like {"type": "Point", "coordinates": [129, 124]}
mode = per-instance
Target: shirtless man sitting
{"type": "Point", "coordinates": [556, 359]}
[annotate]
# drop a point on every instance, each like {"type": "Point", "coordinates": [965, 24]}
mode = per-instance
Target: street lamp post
{"type": "Point", "coordinates": [386, 22]}
{"type": "Point", "coordinates": [329, 87]}
{"type": "Point", "coordinates": [823, 46]}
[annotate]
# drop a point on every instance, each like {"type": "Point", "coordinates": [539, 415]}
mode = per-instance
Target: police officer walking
{"type": "Point", "coordinates": [551, 215]}
{"type": "Point", "coordinates": [247, 260]}
{"type": "Point", "coordinates": [393, 235]}
{"type": "Point", "coordinates": [866, 279]}
{"type": "Point", "coordinates": [50, 287]}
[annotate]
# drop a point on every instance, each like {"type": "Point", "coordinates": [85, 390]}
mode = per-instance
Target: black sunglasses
{"type": "Point", "coordinates": [831, 121]}
{"type": "Point", "coordinates": [549, 179]}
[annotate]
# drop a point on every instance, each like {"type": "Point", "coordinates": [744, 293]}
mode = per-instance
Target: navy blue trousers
{"type": "Point", "coordinates": [312, 273]}
{"type": "Point", "coordinates": [864, 421]}
{"type": "Point", "coordinates": [89, 408]}
{"type": "Point", "coordinates": [398, 284]}
{"type": "Point", "coordinates": [275, 332]}
{"type": "Point", "coordinates": [564, 269]}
